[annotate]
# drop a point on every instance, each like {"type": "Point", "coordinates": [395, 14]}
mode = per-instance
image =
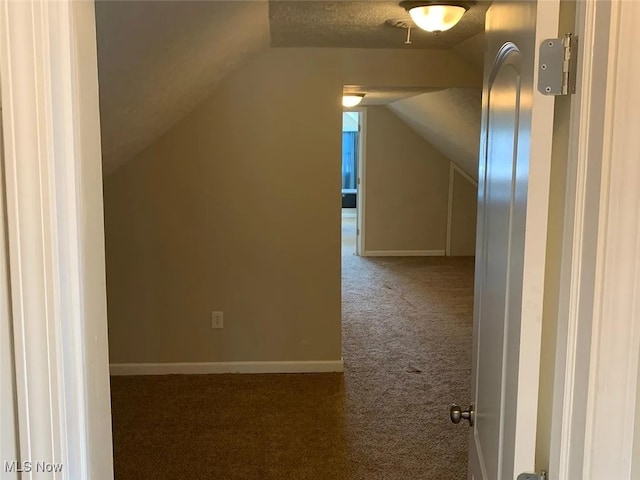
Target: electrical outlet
{"type": "Point", "coordinates": [217, 320]}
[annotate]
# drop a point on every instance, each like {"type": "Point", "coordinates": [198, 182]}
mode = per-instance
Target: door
{"type": "Point", "coordinates": [514, 165]}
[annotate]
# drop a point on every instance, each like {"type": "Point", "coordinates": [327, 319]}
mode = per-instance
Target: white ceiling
{"type": "Point", "coordinates": [359, 24]}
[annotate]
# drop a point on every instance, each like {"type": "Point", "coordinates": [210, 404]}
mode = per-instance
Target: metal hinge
{"type": "Point", "coordinates": [557, 65]}
{"type": "Point", "coordinates": [533, 476]}
{"type": "Point", "coordinates": [358, 231]}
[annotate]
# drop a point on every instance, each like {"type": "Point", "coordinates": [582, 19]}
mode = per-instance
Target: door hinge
{"type": "Point", "coordinates": [358, 231]}
{"type": "Point", "coordinates": [557, 65]}
{"type": "Point", "coordinates": [533, 476]}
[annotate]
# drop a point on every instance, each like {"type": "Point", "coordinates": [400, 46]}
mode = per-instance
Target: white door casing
{"type": "Point", "coordinates": [612, 436]}
{"type": "Point", "coordinates": [361, 199]}
{"type": "Point", "coordinates": [53, 180]}
{"type": "Point", "coordinates": [8, 412]}
{"type": "Point", "coordinates": [515, 155]}
{"type": "Point", "coordinates": [615, 341]}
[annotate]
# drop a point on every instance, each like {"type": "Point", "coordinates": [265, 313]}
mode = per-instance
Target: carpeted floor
{"type": "Point", "coordinates": [407, 350]}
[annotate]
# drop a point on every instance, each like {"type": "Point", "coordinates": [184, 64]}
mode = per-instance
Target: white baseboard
{"type": "Point", "coordinates": [321, 366]}
{"type": "Point", "coordinates": [404, 253]}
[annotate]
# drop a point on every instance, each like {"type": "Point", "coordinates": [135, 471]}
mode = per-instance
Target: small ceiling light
{"type": "Point", "coordinates": [436, 16]}
{"type": "Point", "coordinates": [352, 99]}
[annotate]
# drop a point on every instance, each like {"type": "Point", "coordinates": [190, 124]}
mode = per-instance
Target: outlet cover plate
{"type": "Point", "coordinates": [217, 320]}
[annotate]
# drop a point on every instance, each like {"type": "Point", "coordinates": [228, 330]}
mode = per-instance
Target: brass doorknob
{"type": "Point", "coordinates": [457, 414]}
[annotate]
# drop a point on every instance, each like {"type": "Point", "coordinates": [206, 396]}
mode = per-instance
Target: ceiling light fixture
{"type": "Point", "coordinates": [436, 16]}
{"type": "Point", "coordinates": [352, 99]}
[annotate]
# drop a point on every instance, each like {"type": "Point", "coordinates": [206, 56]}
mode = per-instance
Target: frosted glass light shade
{"type": "Point", "coordinates": [349, 101]}
{"type": "Point", "coordinates": [437, 18]}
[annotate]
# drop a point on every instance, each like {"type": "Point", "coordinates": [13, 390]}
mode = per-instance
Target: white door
{"type": "Point", "coordinates": [513, 191]}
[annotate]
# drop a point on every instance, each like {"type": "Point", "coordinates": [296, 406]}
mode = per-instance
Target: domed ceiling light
{"type": "Point", "coordinates": [351, 100]}
{"type": "Point", "coordinates": [436, 16]}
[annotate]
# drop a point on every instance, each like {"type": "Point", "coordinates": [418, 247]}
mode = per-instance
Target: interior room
{"type": "Point", "coordinates": [174, 298]}
{"type": "Point", "coordinates": [238, 332]}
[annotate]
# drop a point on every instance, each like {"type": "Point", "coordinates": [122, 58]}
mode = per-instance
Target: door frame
{"type": "Point", "coordinates": [361, 197]}
{"type": "Point", "coordinates": [8, 412]}
{"type": "Point", "coordinates": [55, 233]}
{"type": "Point", "coordinates": [361, 180]}
{"type": "Point", "coordinates": [598, 348]}
{"type": "Point", "coordinates": [57, 282]}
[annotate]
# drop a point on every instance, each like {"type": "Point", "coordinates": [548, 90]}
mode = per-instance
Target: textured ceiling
{"type": "Point", "coordinates": [448, 119]}
{"type": "Point", "coordinates": [359, 24]}
{"type": "Point", "coordinates": [158, 59]}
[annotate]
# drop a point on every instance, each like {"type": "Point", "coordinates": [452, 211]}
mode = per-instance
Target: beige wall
{"type": "Point", "coordinates": [403, 68]}
{"type": "Point", "coordinates": [406, 187]}
{"type": "Point", "coordinates": [449, 119]}
{"type": "Point", "coordinates": [237, 208]}
{"type": "Point", "coordinates": [464, 213]}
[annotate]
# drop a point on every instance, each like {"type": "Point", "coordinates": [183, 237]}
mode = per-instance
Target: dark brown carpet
{"type": "Point", "coordinates": [407, 352]}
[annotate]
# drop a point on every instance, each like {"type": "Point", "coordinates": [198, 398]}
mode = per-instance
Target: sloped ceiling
{"type": "Point", "coordinates": [448, 119]}
{"type": "Point", "coordinates": [158, 59]}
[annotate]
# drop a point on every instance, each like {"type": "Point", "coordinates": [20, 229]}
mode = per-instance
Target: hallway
{"type": "Point", "coordinates": [407, 326]}
{"type": "Point", "coordinates": [407, 330]}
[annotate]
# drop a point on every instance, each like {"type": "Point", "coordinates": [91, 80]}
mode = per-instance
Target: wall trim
{"type": "Point", "coordinates": [463, 174]}
{"type": "Point", "coordinates": [186, 368]}
{"type": "Point", "coordinates": [450, 208]}
{"type": "Point", "coordinates": [611, 441]}
{"type": "Point", "coordinates": [404, 253]}
{"type": "Point", "coordinates": [580, 246]}
{"type": "Point", "coordinates": [361, 197]}
{"type": "Point", "coordinates": [54, 229]}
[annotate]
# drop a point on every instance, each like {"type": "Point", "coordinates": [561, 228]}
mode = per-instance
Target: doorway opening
{"type": "Point", "coordinates": [351, 158]}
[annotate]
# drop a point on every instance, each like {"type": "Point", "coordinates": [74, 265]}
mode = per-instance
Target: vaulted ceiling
{"type": "Point", "coordinates": [449, 119]}
{"type": "Point", "coordinates": [158, 60]}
